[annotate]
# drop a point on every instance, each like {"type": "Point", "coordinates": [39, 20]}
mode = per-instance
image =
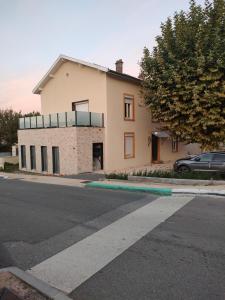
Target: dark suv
{"type": "Point", "coordinates": [211, 162]}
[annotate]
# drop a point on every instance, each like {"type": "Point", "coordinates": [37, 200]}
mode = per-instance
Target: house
{"type": "Point", "coordinates": [92, 118]}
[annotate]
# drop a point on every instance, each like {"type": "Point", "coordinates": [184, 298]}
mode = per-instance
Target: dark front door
{"type": "Point", "coordinates": [97, 156]}
{"type": "Point", "coordinates": [155, 148]}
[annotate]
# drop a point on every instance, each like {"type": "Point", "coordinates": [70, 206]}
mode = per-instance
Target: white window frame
{"type": "Point", "coordinates": [129, 135]}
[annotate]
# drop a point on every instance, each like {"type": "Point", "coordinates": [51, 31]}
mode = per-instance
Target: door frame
{"type": "Point", "coordinates": [102, 154]}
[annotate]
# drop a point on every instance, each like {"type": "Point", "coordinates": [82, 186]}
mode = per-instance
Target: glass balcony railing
{"type": "Point", "coordinates": [65, 119]}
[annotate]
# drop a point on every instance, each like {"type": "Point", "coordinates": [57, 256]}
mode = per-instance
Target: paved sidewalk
{"type": "Point", "coordinates": [175, 188]}
{"type": "Point", "coordinates": [44, 179]}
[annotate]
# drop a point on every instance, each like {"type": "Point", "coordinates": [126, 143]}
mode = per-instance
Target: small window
{"type": "Point", "coordinates": [129, 144]}
{"type": "Point", "coordinates": [174, 145]}
{"type": "Point", "coordinates": [23, 156]}
{"type": "Point", "coordinates": [44, 159]}
{"type": "Point", "coordinates": [219, 157]}
{"type": "Point", "coordinates": [80, 106]}
{"type": "Point", "coordinates": [128, 107]}
{"type": "Point", "coordinates": [55, 160]}
{"type": "Point", "coordinates": [32, 158]}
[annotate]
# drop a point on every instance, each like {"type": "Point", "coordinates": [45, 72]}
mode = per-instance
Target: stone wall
{"type": "Point", "coordinates": [75, 147]}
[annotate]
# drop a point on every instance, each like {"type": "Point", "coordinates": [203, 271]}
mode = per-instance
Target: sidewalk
{"type": "Point", "coordinates": [156, 188]}
{"type": "Point", "coordinates": [44, 179]}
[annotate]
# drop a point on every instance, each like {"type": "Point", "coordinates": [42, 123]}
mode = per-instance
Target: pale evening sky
{"type": "Point", "coordinates": [35, 32]}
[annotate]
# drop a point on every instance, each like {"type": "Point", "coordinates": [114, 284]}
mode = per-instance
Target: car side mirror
{"type": "Point", "coordinates": [197, 158]}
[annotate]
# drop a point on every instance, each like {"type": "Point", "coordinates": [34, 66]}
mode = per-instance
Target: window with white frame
{"type": "Point", "coordinates": [129, 145]}
{"type": "Point", "coordinates": [128, 107]}
{"type": "Point", "coordinates": [80, 106]}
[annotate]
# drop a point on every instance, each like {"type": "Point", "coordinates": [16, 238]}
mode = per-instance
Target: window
{"type": "Point", "coordinates": [32, 158]}
{"type": "Point", "coordinates": [174, 145]}
{"type": "Point", "coordinates": [206, 157]}
{"type": "Point", "coordinates": [23, 156]}
{"type": "Point", "coordinates": [44, 159]}
{"type": "Point", "coordinates": [80, 106]}
{"type": "Point", "coordinates": [129, 107]}
{"type": "Point", "coordinates": [129, 143]}
{"type": "Point", "coordinates": [219, 157]}
{"type": "Point", "coordinates": [55, 160]}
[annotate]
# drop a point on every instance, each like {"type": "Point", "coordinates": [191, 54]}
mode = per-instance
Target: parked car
{"type": "Point", "coordinates": [210, 162]}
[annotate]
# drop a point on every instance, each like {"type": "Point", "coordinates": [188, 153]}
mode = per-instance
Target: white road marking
{"type": "Point", "coordinates": [71, 267]}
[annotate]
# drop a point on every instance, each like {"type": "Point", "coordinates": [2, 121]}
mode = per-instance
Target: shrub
{"type": "Point", "coordinates": [188, 175]}
{"type": "Point", "coordinates": [8, 167]}
{"type": "Point", "coordinates": [122, 176]}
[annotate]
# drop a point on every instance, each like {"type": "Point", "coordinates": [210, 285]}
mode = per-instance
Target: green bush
{"type": "Point", "coordinates": [8, 167]}
{"type": "Point", "coordinates": [169, 174]}
{"type": "Point", "coordinates": [121, 176]}
{"type": "Point", "coordinates": [188, 175]}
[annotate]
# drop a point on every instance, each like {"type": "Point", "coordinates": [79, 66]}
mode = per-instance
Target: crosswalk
{"type": "Point", "coordinates": [71, 267]}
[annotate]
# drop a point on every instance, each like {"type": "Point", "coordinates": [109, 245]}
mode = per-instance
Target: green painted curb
{"type": "Point", "coordinates": [158, 191]}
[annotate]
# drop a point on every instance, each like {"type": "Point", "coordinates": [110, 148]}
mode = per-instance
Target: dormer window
{"type": "Point", "coordinates": [128, 107]}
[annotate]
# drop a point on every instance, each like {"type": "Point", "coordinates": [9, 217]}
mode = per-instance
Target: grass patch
{"type": "Point", "coordinates": [8, 167]}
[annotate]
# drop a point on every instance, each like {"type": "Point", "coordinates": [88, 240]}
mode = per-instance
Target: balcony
{"type": "Point", "coordinates": [65, 119]}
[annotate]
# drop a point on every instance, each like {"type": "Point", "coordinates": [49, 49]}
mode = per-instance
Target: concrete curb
{"type": "Point", "coordinates": [37, 284]}
{"type": "Point", "coordinates": [154, 190]}
{"type": "Point", "coordinates": [158, 191]}
{"type": "Point", "coordinates": [199, 192]}
{"type": "Point", "coordinates": [175, 180]}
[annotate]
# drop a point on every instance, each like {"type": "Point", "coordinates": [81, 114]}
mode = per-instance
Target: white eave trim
{"type": "Point", "coordinates": [60, 60]}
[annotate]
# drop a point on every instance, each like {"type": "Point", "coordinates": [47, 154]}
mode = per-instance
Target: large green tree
{"type": "Point", "coordinates": [9, 120]}
{"type": "Point", "coordinates": [184, 75]}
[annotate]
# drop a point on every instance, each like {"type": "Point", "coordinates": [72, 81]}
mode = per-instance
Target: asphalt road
{"type": "Point", "coordinates": [182, 258]}
{"type": "Point", "coordinates": [39, 220]}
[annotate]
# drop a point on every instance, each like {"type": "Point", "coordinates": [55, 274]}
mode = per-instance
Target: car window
{"type": "Point", "coordinates": [219, 157]}
{"type": "Point", "coordinates": [206, 157]}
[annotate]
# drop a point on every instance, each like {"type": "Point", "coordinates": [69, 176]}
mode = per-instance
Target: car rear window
{"type": "Point", "coordinates": [219, 157]}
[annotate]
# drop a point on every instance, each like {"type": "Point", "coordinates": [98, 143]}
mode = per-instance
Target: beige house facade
{"type": "Point", "coordinates": [92, 118]}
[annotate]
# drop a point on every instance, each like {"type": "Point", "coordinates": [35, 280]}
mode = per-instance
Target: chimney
{"type": "Point", "coordinates": [119, 66]}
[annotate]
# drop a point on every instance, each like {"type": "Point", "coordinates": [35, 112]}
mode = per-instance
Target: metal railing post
{"type": "Point", "coordinates": [90, 118]}
{"type": "Point", "coordinates": [75, 118]}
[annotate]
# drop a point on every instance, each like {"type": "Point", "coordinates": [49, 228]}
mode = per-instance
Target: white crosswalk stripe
{"type": "Point", "coordinates": [74, 265]}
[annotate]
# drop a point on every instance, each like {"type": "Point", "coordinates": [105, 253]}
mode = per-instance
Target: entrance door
{"type": "Point", "coordinates": [97, 156]}
{"type": "Point", "coordinates": [155, 148]}
{"type": "Point", "coordinates": [55, 160]}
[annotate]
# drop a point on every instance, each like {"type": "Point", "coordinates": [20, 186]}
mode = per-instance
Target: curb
{"type": "Point", "coordinates": [37, 284]}
{"type": "Point", "coordinates": [176, 180]}
{"type": "Point", "coordinates": [153, 190]}
{"type": "Point", "coordinates": [158, 191]}
{"type": "Point", "coordinates": [199, 192]}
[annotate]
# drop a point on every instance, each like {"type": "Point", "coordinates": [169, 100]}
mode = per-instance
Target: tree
{"type": "Point", "coordinates": [184, 75]}
{"type": "Point", "coordinates": [8, 127]}
{"type": "Point", "coordinates": [9, 121]}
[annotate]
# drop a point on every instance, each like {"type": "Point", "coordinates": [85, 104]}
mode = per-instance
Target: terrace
{"type": "Point", "coordinates": [64, 119]}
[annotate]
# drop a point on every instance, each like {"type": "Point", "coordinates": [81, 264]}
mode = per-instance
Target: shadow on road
{"type": "Point", "coordinates": [5, 258]}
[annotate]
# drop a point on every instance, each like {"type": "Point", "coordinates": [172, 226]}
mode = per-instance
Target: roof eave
{"type": "Point", "coordinates": [124, 77]}
{"type": "Point", "coordinates": [59, 61]}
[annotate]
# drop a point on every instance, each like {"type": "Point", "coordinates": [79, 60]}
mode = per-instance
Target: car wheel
{"type": "Point", "coordinates": [184, 169]}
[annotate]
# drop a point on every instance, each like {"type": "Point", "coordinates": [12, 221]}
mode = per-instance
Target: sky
{"type": "Point", "coordinates": [33, 33]}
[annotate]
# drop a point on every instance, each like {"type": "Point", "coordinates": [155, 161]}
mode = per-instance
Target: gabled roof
{"type": "Point", "coordinates": [62, 58]}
